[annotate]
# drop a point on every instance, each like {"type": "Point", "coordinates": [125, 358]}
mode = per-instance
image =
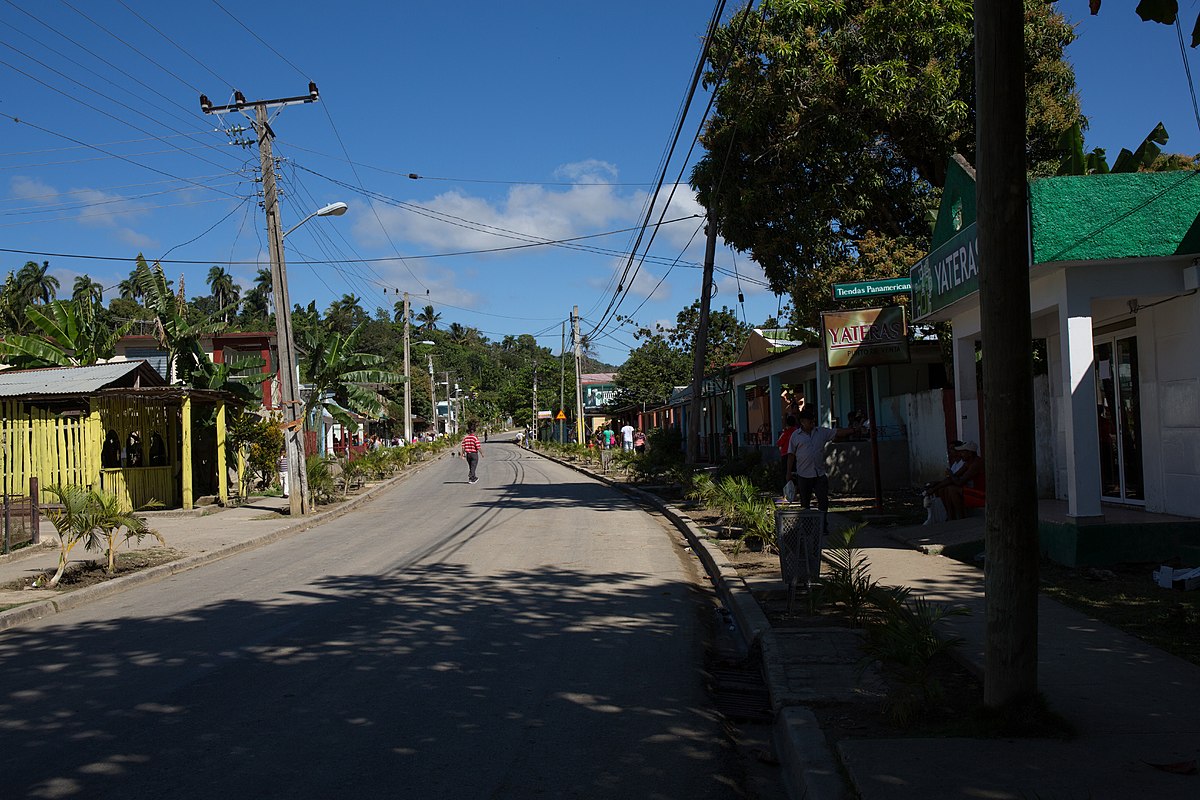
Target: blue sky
{"type": "Point", "coordinates": [526, 120]}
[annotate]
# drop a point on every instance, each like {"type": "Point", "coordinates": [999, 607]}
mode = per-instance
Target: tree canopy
{"type": "Point", "coordinates": [834, 123]}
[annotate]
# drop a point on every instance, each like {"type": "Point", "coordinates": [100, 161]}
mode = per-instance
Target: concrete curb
{"type": "Point", "coordinates": [810, 768]}
{"type": "Point", "coordinates": [80, 597]}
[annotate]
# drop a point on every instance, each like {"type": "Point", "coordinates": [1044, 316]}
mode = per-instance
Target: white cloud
{"type": "Point", "coordinates": [27, 188]}
{"type": "Point", "coordinates": [139, 240]}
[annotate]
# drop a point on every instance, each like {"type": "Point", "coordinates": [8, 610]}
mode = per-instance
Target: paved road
{"type": "Point", "coordinates": [532, 635]}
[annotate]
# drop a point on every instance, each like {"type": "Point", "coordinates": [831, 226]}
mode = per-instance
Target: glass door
{"type": "Point", "coordinates": [1118, 413]}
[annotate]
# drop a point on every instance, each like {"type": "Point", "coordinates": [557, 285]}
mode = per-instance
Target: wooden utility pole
{"type": "Point", "coordinates": [1011, 549]}
{"type": "Point", "coordinates": [408, 432]}
{"type": "Point", "coordinates": [700, 348]}
{"type": "Point", "coordinates": [289, 380]}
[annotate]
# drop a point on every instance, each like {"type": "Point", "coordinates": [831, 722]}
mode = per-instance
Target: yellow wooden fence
{"type": "Point", "coordinates": [42, 444]}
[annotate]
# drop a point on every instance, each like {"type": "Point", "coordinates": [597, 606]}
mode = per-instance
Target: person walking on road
{"type": "Point", "coordinates": [627, 436]}
{"type": "Point", "coordinates": [471, 451]}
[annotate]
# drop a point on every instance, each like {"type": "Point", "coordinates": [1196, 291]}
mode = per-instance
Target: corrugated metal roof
{"type": "Point", "coordinates": [71, 380]}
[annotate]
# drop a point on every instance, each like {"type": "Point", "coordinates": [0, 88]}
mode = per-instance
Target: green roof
{"type": "Point", "coordinates": [1114, 216]}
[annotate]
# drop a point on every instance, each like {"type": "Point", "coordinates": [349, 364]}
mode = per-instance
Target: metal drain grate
{"type": "Point", "coordinates": [739, 692]}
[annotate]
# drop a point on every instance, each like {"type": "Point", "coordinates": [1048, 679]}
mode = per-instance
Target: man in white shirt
{"type": "Point", "coordinates": [806, 459]}
{"type": "Point", "coordinates": [627, 436]}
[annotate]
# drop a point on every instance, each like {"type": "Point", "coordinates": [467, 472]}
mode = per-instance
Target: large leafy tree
{"type": "Point", "coordinates": [726, 336]}
{"type": "Point", "coordinates": [346, 314]}
{"type": "Point", "coordinates": [652, 371]}
{"type": "Point", "coordinates": [834, 124]}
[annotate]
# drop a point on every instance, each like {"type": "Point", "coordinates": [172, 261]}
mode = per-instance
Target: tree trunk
{"type": "Point", "coordinates": [1011, 565]}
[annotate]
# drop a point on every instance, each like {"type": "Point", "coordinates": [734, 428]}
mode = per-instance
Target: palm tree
{"type": "Point", "coordinates": [128, 288]}
{"type": "Point", "coordinates": [428, 319]}
{"type": "Point", "coordinates": [34, 284]}
{"type": "Point", "coordinates": [457, 333]}
{"type": "Point", "coordinates": [87, 291]}
{"type": "Point", "coordinates": [224, 290]}
{"type": "Point", "coordinates": [346, 314]}
{"type": "Point", "coordinates": [264, 283]}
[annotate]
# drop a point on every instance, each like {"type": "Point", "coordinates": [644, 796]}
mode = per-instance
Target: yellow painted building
{"type": "Point", "coordinates": [117, 427]}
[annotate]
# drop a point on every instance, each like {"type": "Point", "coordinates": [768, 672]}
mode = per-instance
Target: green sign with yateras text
{"type": "Point", "coordinates": [852, 291]}
{"type": "Point", "coordinates": [946, 275]}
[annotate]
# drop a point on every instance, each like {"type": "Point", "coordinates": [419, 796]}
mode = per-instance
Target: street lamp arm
{"type": "Point", "coordinates": [331, 210]}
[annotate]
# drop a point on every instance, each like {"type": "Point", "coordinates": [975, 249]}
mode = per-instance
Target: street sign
{"type": "Point", "coordinates": [854, 291]}
{"type": "Point", "coordinates": [561, 415]}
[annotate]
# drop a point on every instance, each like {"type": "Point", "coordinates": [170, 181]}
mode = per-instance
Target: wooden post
{"type": "Point", "coordinates": [1011, 521]}
{"type": "Point", "coordinates": [186, 455]}
{"type": "Point", "coordinates": [35, 511]}
{"type": "Point", "coordinates": [222, 469]}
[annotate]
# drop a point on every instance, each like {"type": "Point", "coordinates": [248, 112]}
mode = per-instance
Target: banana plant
{"type": "Point", "coordinates": [1077, 162]}
{"type": "Point", "coordinates": [67, 334]}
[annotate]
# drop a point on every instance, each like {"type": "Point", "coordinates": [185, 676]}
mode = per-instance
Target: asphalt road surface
{"type": "Point", "coordinates": [531, 635]}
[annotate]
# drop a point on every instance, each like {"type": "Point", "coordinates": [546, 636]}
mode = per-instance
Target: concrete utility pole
{"type": "Point", "coordinates": [432, 395]}
{"type": "Point", "coordinates": [407, 393]}
{"type": "Point", "coordinates": [289, 379]}
{"type": "Point", "coordinates": [449, 405]}
{"type": "Point", "coordinates": [700, 348]}
{"type": "Point", "coordinates": [535, 403]}
{"type": "Point", "coordinates": [578, 376]}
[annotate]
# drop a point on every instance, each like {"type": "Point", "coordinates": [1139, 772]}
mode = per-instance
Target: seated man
{"type": "Point", "coordinates": [962, 487]}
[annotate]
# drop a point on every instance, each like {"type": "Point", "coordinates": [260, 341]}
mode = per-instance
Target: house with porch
{"type": "Point", "coordinates": [1114, 270]}
{"type": "Point", "coordinates": [119, 427]}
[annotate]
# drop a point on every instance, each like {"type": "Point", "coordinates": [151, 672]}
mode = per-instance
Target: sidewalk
{"type": "Point", "coordinates": [202, 535]}
{"type": "Point", "coordinates": [1133, 705]}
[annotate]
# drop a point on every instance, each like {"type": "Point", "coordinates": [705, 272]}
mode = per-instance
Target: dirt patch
{"type": "Point", "coordinates": [90, 573]}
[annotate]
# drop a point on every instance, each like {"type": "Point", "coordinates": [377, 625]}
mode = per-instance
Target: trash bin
{"type": "Point", "coordinates": [798, 533]}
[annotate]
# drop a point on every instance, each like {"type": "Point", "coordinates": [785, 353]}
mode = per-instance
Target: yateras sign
{"type": "Point", "coordinates": [865, 337]}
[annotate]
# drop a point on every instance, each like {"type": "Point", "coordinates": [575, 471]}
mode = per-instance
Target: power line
{"type": "Point", "coordinates": [176, 45]}
{"type": "Point", "coordinates": [416, 177]}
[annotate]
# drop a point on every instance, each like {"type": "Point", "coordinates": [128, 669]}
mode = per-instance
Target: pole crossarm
{"type": "Point", "coordinates": [240, 103]}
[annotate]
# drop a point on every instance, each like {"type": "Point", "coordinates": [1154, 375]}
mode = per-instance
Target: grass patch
{"type": "Point", "coordinates": [1126, 598]}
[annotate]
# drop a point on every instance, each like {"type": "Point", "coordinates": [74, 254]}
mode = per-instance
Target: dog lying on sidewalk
{"type": "Point", "coordinates": [935, 510]}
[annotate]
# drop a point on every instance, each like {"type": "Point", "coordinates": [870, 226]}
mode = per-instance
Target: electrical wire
{"type": "Point", "coordinates": [415, 177]}
{"type": "Point", "coordinates": [626, 278]}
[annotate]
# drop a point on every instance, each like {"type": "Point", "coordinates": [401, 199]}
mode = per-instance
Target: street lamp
{"type": "Point", "coordinates": [331, 210]}
{"type": "Point", "coordinates": [289, 379]}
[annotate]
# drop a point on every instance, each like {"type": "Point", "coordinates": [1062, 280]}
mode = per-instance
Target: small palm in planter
{"type": "Point", "coordinates": [757, 515]}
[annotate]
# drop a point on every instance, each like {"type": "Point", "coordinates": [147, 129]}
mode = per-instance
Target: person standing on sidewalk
{"type": "Point", "coordinates": [282, 467]}
{"type": "Point", "coordinates": [471, 451]}
{"type": "Point", "coordinates": [806, 460]}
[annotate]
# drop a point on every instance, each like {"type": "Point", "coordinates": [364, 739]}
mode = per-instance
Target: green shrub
{"type": "Point", "coordinates": [904, 640]}
{"type": "Point", "coordinates": [322, 488]}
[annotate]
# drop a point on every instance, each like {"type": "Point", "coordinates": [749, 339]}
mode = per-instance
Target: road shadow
{"type": "Point", "coordinates": [429, 680]}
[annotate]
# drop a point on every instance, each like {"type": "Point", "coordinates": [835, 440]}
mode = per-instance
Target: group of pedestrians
{"type": "Point", "coordinates": [631, 438]}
